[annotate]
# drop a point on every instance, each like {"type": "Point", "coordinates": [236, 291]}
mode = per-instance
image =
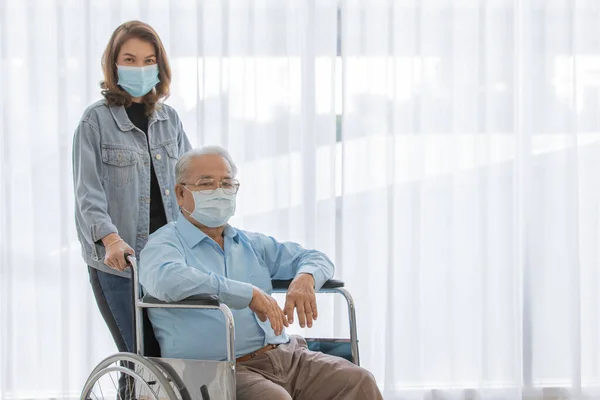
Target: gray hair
{"type": "Point", "coordinates": [184, 161]}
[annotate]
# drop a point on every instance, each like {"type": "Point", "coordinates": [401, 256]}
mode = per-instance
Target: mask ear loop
{"type": "Point", "coordinates": [182, 207]}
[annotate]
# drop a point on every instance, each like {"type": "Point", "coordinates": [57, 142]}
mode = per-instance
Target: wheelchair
{"type": "Point", "coordinates": [144, 375]}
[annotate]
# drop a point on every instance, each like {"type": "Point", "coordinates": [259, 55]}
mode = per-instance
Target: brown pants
{"type": "Point", "coordinates": [291, 371]}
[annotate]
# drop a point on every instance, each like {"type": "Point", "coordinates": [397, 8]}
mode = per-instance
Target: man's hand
{"type": "Point", "coordinates": [301, 296]}
{"type": "Point", "coordinates": [266, 307]}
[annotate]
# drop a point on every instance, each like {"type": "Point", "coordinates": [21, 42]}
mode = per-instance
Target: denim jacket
{"type": "Point", "coordinates": [111, 175]}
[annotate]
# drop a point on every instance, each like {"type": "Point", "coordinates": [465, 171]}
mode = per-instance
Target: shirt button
{"type": "Point", "coordinates": [158, 156]}
{"type": "Point", "coordinates": [167, 192]}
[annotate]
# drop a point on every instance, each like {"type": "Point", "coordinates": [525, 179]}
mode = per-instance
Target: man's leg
{"type": "Point", "coordinates": [315, 375]}
{"type": "Point", "coordinates": [253, 386]}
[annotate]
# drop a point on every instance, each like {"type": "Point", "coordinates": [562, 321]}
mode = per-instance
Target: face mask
{"type": "Point", "coordinates": [214, 209]}
{"type": "Point", "coordinates": [138, 81]}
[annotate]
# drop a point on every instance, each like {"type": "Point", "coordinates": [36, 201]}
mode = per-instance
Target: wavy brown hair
{"type": "Point", "coordinates": [113, 93]}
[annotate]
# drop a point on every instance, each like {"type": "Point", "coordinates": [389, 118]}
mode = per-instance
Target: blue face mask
{"type": "Point", "coordinates": [138, 81]}
{"type": "Point", "coordinates": [212, 209]}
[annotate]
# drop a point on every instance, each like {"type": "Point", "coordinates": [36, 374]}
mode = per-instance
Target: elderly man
{"type": "Point", "coordinates": [201, 254]}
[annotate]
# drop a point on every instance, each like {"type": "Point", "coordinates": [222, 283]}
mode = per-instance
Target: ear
{"type": "Point", "coordinates": [179, 191]}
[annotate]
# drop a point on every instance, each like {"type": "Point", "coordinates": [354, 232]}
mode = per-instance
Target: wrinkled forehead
{"type": "Point", "coordinates": [209, 166]}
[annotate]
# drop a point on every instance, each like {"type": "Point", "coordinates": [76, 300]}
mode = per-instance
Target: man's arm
{"type": "Point", "coordinates": [288, 260]}
{"type": "Point", "coordinates": [310, 269]}
{"type": "Point", "coordinates": [165, 275]}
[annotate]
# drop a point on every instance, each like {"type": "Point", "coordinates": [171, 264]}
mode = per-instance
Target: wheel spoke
{"type": "Point", "coordinates": [140, 394]}
{"type": "Point", "coordinates": [116, 387]}
{"type": "Point", "coordinates": [141, 373]}
{"type": "Point", "coordinates": [158, 393]}
{"type": "Point", "coordinates": [133, 377]}
{"type": "Point", "coordinates": [131, 387]}
{"type": "Point", "coordinates": [101, 393]}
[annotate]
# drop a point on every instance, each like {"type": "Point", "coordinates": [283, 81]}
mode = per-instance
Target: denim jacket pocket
{"type": "Point", "coordinates": [120, 165]}
{"type": "Point", "coordinates": [172, 156]}
{"type": "Point", "coordinates": [171, 149]}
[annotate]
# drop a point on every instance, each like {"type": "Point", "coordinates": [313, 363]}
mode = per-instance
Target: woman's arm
{"type": "Point", "coordinates": [183, 143]}
{"type": "Point", "coordinates": [90, 200]}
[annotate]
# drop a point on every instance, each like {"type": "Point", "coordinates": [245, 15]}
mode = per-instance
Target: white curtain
{"type": "Point", "coordinates": [444, 153]}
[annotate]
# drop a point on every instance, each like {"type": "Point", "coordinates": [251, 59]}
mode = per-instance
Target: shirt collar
{"type": "Point", "coordinates": [232, 233]}
{"type": "Point", "coordinates": [193, 235]}
{"type": "Point", "coordinates": [120, 116]}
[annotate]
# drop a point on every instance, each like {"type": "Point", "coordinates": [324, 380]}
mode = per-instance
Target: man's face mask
{"type": "Point", "coordinates": [138, 81]}
{"type": "Point", "coordinates": [212, 209]}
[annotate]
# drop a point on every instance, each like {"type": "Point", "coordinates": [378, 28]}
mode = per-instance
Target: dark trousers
{"type": "Point", "coordinates": [113, 296]}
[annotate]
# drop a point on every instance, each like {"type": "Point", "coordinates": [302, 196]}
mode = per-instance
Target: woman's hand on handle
{"type": "Point", "coordinates": [116, 248]}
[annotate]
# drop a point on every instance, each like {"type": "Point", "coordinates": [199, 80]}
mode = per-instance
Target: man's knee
{"type": "Point", "coordinates": [275, 392]}
{"type": "Point", "coordinates": [360, 382]}
{"type": "Point", "coordinates": [274, 395]}
{"type": "Point", "coordinates": [266, 393]}
{"type": "Point", "coordinates": [361, 377]}
{"type": "Point", "coordinates": [252, 386]}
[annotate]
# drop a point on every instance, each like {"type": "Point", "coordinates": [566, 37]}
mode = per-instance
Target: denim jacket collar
{"type": "Point", "coordinates": [123, 122]}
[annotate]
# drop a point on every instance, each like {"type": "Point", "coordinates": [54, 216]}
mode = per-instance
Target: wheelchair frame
{"type": "Point", "coordinates": [217, 378]}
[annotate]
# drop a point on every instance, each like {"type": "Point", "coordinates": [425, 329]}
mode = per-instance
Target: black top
{"type": "Point", "coordinates": [137, 114]}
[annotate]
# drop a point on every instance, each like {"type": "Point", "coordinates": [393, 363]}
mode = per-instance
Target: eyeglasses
{"type": "Point", "coordinates": [229, 185]}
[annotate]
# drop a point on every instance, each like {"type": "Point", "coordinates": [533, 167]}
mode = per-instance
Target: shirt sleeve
{"type": "Point", "coordinates": [90, 200]}
{"type": "Point", "coordinates": [286, 260]}
{"type": "Point", "coordinates": [165, 275]}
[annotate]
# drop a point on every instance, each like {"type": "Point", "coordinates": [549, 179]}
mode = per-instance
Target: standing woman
{"type": "Point", "coordinates": [124, 154]}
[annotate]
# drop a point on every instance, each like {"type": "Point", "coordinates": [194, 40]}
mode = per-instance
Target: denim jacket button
{"type": "Point", "coordinates": [167, 192]}
{"type": "Point", "coordinates": [158, 156]}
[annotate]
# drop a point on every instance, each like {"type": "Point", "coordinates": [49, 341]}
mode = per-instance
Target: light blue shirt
{"type": "Point", "coordinates": [179, 261]}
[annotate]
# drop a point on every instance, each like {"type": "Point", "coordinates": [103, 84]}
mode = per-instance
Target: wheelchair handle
{"type": "Point", "coordinates": [135, 294]}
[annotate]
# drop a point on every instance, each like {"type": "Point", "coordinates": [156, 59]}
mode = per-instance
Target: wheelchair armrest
{"type": "Point", "coordinates": [285, 284]}
{"type": "Point", "coordinates": [198, 300]}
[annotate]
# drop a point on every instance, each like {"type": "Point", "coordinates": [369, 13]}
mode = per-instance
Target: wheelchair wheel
{"type": "Point", "coordinates": [128, 376]}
